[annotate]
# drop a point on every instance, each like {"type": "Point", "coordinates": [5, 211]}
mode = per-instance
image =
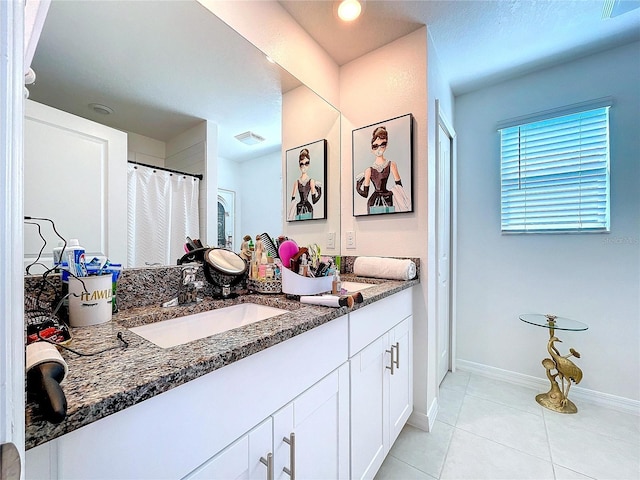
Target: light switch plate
{"type": "Point", "coordinates": [351, 240]}
{"type": "Point", "coordinates": [331, 240]}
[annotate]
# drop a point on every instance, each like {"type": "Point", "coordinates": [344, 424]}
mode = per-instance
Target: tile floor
{"type": "Point", "coordinates": [489, 429]}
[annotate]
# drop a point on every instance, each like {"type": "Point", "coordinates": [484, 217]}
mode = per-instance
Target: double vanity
{"type": "Point", "coordinates": [304, 391]}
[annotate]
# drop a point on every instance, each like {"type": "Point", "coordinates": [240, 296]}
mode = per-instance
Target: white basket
{"type": "Point", "coordinates": [295, 284]}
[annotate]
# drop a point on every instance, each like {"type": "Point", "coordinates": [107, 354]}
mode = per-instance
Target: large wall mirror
{"type": "Point", "coordinates": [181, 84]}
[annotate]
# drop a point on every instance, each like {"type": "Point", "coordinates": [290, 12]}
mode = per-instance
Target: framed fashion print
{"type": "Point", "coordinates": [383, 167]}
{"type": "Point", "coordinates": [306, 179]}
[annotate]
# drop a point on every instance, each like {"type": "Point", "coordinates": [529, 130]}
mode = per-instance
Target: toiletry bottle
{"type": "Point", "coordinates": [336, 285]}
{"type": "Point", "coordinates": [75, 257]}
{"type": "Point", "coordinates": [262, 268]}
{"type": "Point", "coordinates": [254, 266]}
{"type": "Point", "coordinates": [277, 275]}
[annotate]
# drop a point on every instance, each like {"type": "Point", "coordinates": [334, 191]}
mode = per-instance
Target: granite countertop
{"type": "Point", "coordinates": [99, 385]}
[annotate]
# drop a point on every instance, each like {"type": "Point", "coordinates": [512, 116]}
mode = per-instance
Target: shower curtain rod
{"type": "Point", "coordinates": [197, 175]}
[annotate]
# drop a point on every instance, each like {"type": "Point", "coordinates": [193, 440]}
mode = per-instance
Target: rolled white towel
{"type": "Point", "coordinates": [380, 267]}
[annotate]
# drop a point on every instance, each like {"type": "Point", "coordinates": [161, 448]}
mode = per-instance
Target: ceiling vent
{"type": "Point", "coordinates": [249, 138]}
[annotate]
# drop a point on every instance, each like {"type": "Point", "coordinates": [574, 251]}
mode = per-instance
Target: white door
{"type": "Point", "coordinates": [75, 173]}
{"type": "Point", "coordinates": [443, 250]}
{"type": "Point", "coordinates": [227, 198]}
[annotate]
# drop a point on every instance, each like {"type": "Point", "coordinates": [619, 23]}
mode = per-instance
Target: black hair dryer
{"type": "Point", "coordinates": [46, 369]}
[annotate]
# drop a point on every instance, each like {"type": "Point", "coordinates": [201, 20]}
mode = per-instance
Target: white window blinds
{"type": "Point", "coordinates": [555, 174]}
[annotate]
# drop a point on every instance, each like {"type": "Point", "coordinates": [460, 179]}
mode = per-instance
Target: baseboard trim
{"type": "Point", "coordinates": [614, 402]}
{"type": "Point", "coordinates": [424, 421]}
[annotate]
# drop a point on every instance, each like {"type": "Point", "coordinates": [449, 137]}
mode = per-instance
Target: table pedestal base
{"type": "Point", "coordinates": [553, 401]}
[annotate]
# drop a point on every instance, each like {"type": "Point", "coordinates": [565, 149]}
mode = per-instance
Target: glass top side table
{"type": "Point", "coordinates": [568, 372]}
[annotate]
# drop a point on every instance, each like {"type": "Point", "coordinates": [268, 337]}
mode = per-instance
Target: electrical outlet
{"type": "Point", "coordinates": [331, 240]}
{"type": "Point", "coordinates": [351, 240]}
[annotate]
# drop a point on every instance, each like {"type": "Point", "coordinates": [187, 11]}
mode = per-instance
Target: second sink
{"type": "Point", "coordinates": [181, 330]}
{"type": "Point", "coordinates": [352, 287]}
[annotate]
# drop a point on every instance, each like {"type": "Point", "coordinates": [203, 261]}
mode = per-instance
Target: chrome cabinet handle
{"type": "Point", "coordinates": [269, 463]}
{"type": "Point", "coordinates": [397, 361]}
{"type": "Point", "coordinates": [291, 441]}
{"type": "Point", "coordinates": [390, 352]}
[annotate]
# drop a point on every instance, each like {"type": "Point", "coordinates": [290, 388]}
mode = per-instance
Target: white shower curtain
{"type": "Point", "coordinates": [162, 212]}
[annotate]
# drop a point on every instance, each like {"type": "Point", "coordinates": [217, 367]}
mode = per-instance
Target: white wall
{"type": "Point", "coordinates": [260, 198]}
{"type": "Point", "coordinates": [307, 118]}
{"type": "Point", "coordinates": [366, 98]}
{"type": "Point", "coordinates": [593, 278]}
{"type": "Point", "coordinates": [145, 150]}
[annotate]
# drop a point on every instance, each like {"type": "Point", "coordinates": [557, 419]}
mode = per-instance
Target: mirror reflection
{"type": "Point", "coordinates": [181, 88]}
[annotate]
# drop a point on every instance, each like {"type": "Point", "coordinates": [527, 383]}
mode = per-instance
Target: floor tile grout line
{"type": "Point", "coordinates": [446, 454]}
{"type": "Point", "coordinates": [413, 466]}
{"type": "Point", "coordinates": [546, 432]}
{"type": "Point", "coordinates": [504, 445]}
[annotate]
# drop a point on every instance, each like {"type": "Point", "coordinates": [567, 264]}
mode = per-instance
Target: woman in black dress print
{"type": "Point", "coordinates": [304, 186]}
{"type": "Point", "coordinates": [382, 199]}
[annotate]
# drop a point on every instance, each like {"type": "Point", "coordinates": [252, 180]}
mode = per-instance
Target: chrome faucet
{"type": "Point", "coordinates": [187, 287]}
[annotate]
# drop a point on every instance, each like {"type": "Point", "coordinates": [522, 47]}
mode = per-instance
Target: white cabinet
{"type": "Point", "coordinates": [381, 383]}
{"type": "Point", "coordinates": [326, 404]}
{"type": "Point", "coordinates": [310, 439]}
{"type": "Point", "coordinates": [171, 434]}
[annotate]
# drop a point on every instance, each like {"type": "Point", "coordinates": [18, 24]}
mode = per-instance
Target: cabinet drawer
{"type": "Point", "coordinates": [368, 323]}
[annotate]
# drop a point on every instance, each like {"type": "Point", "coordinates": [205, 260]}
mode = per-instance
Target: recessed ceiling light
{"type": "Point", "coordinates": [249, 138]}
{"type": "Point", "coordinates": [101, 109]}
{"type": "Point", "coordinates": [349, 10]}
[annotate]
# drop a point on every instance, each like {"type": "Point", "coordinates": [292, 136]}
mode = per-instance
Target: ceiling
{"type": "Point", "coordinates": [477, 41]}
{"type": "Point", "coordinates": [163, 67]}
{"type": "Point", "coordinates": [163, 76]}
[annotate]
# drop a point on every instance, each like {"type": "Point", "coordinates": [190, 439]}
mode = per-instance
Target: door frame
{"type": "Point", "coordinates": [442, 121]}
{"type": "Point", "coordinates": [12, 403]}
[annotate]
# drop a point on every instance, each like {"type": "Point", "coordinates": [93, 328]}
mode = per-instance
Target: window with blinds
{"type": "Point", "coordinates": [555, 174]}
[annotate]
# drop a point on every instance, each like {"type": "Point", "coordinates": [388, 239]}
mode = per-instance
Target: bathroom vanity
{"type": "Point", "coordinates": [317, 391]}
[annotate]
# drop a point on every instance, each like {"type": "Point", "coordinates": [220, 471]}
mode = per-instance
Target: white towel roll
{"type": "Point", "coordinates": [380, 267]}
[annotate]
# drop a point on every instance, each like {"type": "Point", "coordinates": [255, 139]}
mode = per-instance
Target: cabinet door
{"type": "Point", "coordinates": [240, 460]}
{"type": "Point", "coordinates": [369, 409]}
{"type": "Point", "coordinates": [310, 434]}
{"type": "Point", "coordinates": [401, 382]}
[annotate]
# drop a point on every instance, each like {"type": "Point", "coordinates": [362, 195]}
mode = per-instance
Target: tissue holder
{"type": "Point", "coordinates": [294, 284]}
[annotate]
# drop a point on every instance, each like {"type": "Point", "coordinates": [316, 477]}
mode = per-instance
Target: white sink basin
{"type": "Point", "coordinates": [352, 287]}
{"type": "Point", "coordinates": [181, 330]}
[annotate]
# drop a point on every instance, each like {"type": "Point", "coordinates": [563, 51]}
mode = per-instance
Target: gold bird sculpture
{"type": "Point", "coordinates": [565, 367]}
